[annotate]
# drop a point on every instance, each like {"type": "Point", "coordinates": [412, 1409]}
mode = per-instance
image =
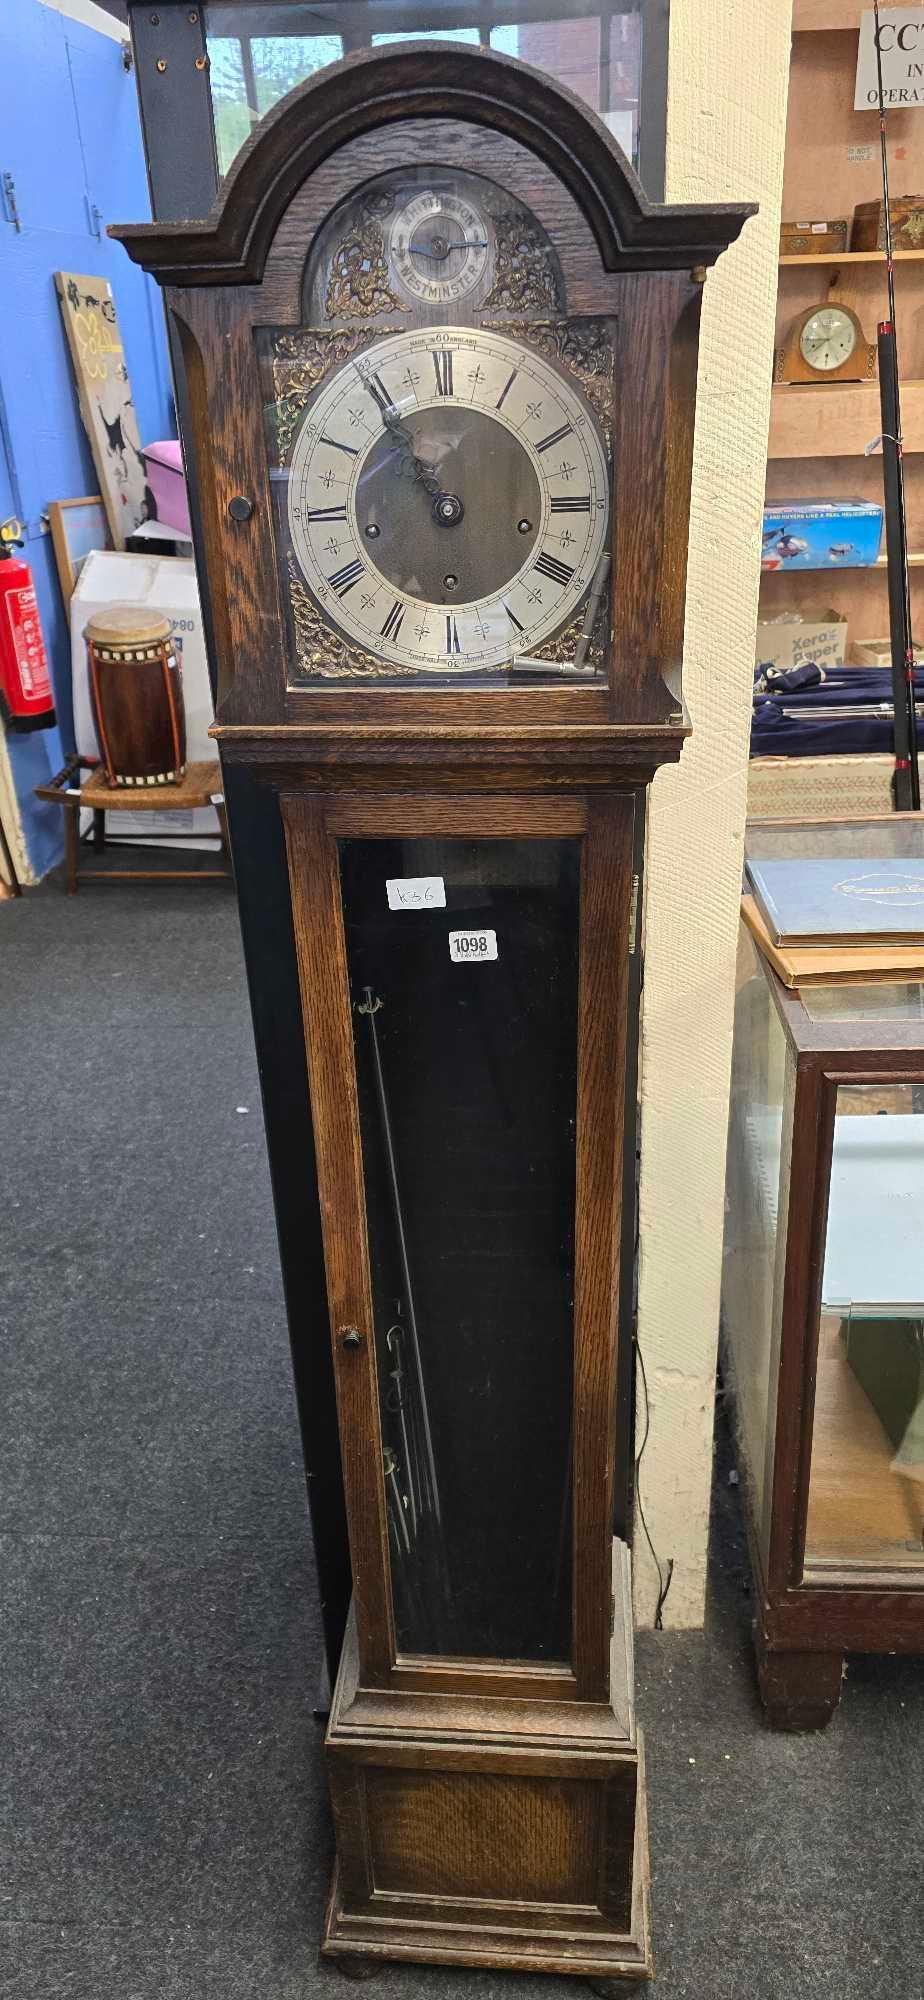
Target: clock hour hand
{"type": "Point", "coordinates": [447, 507]}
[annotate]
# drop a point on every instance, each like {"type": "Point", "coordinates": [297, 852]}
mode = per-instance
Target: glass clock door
{"type": "Point", "coordinates": [463, 969]}
{"type": "Point", "coordinates": [463, 964]}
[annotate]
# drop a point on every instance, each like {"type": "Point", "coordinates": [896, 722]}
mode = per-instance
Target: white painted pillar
{"type": "Point", "coordinates": [728, 77]}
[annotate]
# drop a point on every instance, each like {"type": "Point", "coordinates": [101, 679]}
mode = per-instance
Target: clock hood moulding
{"type": "Point", "coordinates": [377, 87]}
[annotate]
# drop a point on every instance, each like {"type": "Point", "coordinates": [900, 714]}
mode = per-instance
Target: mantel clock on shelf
{"type": "Point", "coordinates": [437, 376]}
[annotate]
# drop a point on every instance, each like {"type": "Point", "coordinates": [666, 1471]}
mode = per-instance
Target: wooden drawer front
{"type": "Point", "coordinates": [474, 1834]}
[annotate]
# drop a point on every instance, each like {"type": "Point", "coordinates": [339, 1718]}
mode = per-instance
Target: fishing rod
{"type": "Point", "coordinates": [905, 781]}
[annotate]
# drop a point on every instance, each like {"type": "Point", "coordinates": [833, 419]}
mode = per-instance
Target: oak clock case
{"type": "Point", "coordinates": [439, 366]}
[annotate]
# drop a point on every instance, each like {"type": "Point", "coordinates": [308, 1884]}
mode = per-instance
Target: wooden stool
{"type": "Point", "coordinates": [199, 786]}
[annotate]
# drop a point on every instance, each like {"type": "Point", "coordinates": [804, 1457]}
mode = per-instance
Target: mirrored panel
{"type": "Point", "coordinates": [463, 967]}
{"type": "Point", "coordinates": [756, 1198]}
{"type": "Point", "coordinates": [866, 1493]}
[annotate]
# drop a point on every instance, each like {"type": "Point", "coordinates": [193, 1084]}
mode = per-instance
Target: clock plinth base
{"type": "Point", "coordinates": [488, 1831]}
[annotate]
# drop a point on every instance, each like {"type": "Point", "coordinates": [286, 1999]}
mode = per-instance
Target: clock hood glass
{"type": "Point", "coordinates": [448, 499]}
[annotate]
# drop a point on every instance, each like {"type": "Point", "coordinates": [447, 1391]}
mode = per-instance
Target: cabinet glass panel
{"type": "Point", "coordinates": [463, 967]}
{"type": "Point", "coordinates": [259, 51]}
{"type": "Point", "coordinates": [754, 1248]}
{"type": "Point", "coordinates": [866, 1492]}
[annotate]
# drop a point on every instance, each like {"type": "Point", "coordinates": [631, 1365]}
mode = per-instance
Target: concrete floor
{"type": "Point", "coordinates": [164, 1830]}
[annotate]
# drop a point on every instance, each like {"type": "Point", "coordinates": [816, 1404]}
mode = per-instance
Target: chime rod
{"type": "Point", "coordinates": [372, 1005]}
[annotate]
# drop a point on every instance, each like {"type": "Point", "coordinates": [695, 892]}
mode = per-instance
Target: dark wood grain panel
{"type": "Point", "coordinates": [483, 1836]}
{"type": "Point", "coordinates": [321, 952]}
{"type": "Point", "coordinates": [509, 816]}
{"type": "Point", "coordinates": [606, 893]}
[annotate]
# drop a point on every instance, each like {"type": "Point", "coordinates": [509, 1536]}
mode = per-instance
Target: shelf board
{"type": "Point", "coordinates": [852, 257]}
{"type": "Point", "coordinates": [915, 561]}
{"type": "Point", "coordinates": [837, 419]}
{"type": "Point", "coordinates": [810, 16]}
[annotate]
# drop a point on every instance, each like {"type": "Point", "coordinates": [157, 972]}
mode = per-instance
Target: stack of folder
{"type": "Point", "coordinates": [826, 922]}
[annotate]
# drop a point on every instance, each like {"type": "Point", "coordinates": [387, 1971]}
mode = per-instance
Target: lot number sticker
{"type": "Point", "coordinates": [472, 947]}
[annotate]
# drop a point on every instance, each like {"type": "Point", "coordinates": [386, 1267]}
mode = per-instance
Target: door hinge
{"type": "Point", "coordinates": [633, 913]}
{"type": "Point", "coordinates": [10, 210]}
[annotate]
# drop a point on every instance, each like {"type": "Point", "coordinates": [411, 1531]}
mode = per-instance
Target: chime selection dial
{"type": "Point", "coordinates": [440, 248]}
{"type": "Point", "coordinates": [448, 499]}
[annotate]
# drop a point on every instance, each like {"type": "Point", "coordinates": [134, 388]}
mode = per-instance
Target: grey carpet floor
{"type": "Point", "coordinates": [164, 1829]}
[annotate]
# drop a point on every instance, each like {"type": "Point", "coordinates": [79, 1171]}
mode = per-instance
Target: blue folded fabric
{"type": "Point", "coordinates": [794, 734]}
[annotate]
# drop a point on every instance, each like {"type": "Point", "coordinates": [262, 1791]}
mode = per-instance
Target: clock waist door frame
{"type": "Point", "coordinates": [604, 823]}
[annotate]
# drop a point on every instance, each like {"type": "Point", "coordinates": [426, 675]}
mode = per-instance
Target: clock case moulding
{"type": "Point", "coordinates": [487, 1812]}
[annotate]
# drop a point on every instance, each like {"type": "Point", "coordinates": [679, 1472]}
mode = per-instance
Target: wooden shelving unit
{"type": "Point", "coordinates": [838, 420]}
{"type": "Point", "coordinates": [837, 258]}
{"type": "Point", "coordinates": [819, 434]}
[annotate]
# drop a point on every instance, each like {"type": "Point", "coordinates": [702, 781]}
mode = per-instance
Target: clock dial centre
{"type": "Point", "coordinates": [485, 485]}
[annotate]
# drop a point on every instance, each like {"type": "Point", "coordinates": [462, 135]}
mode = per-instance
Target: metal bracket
{"type": "Point", "coordinates": [8, 197]}
{"type": "Point", "coordinates": [634, 913]}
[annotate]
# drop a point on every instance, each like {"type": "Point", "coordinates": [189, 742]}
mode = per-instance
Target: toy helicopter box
{"type": "Point", "coordinates": [821, 534]}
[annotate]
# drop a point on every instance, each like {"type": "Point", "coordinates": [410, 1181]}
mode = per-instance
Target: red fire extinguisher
{"type": "Point", "coordinates": [26, 700]}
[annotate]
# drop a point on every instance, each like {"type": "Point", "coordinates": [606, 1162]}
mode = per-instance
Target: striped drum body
{"type": "Point", "coordinates": [137, 691]}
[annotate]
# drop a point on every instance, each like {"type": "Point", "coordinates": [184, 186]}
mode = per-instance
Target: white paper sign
{"type": "Point", "coordinates": [472, 947]}
{"type": "Point", "coordinates": [901, 47]}
{"type": "Point", "coordinates": [416, 892]}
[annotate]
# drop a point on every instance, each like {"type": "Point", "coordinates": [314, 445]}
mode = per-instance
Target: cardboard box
{"type": "Point", "coordinates": [788, 642]}
{"type": "Point", "coordinates": [878, 653]}
{"type": "Point", "coordinates": [821, 534]}
{"type": "Point", "coordinates": [168, 584]}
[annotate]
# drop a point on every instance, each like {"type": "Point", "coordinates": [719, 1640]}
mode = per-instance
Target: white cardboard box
{"type": "Point", "coordinates": [787, 643]}
{"type": "Point", "coordinates": [162, 583]}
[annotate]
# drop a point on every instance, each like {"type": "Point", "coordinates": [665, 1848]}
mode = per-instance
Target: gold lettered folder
{"type": "Point", "coordinates": [811, 965]}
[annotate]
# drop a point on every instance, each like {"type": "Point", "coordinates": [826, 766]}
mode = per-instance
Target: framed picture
{"type": "Point", "coordinates": [77, 526]}
{"type": "Point", "coordinates": [105, 397]}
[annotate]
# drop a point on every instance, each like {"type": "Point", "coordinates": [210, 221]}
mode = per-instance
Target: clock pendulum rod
{"type": "Point", "coordinates": [906, 781]}
{"type": "Point", "coordinates": [416, 1502]}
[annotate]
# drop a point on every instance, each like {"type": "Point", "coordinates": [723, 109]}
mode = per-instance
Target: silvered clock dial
{"type": "Point", "coordinates": [448, 499]}
{"type": "Point", "coordinates": [440, 248]}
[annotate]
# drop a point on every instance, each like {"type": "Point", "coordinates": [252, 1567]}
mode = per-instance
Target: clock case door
{"type": "Point", "coordinates": [528, 1845]}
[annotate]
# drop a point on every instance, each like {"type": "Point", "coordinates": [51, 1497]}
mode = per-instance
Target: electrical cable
{"type": "Point", "coordinates": [665, 1575]}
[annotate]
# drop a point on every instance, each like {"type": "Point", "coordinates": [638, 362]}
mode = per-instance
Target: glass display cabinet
{"type": "Point", "coordinates": [823, 1298]}
{"type": "Point", "coordinates": [437, 377]}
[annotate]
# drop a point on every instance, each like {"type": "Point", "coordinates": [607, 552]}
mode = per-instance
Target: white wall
{"type": "Point", "coordinates": [91, 16]}
{"type": "Point", "coordinates": [726, 126]}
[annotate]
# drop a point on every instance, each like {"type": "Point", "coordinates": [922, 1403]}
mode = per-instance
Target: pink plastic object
{"type": "Point", "coordinates": [164, 472]}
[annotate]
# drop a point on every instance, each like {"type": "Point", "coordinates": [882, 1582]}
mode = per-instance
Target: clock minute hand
{"type": "Point", "coordinates": [439, 256]}
{"type": "Point", "coordinates": [420, 470]}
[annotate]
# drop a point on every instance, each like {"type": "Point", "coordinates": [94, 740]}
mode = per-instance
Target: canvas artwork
{"type": "Point", "coordinates": [105, 396]}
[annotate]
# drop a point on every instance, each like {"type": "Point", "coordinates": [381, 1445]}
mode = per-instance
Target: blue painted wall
{"type": "Point", "coordinates": [70, 137]}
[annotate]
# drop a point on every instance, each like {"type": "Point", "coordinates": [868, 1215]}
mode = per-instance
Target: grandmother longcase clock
{"type": "Point", "coordinates": [438, 376]}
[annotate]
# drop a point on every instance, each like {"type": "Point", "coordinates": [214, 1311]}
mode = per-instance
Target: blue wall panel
{"type": "Point", "coordinates": [70, 137]}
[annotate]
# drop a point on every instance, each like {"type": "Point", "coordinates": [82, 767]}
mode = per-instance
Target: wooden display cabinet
{"type": "Point", "coordinates": [438, 381]}
{"type": "Point", "coordinates": [819, 433]}
{"type": "Point", "coordinates": [823, 1301]}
